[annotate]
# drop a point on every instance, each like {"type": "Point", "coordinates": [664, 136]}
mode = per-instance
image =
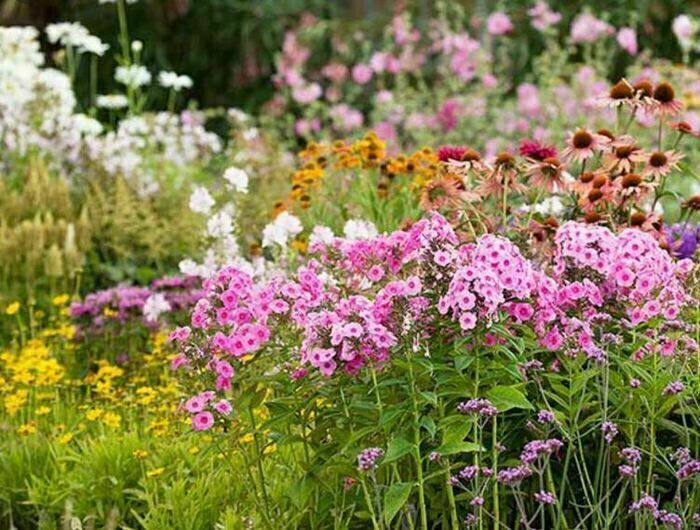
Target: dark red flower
{"type": "Point", "coordinates": [536, 149]}
{"type": "Point", "coordinates": [451, 152]}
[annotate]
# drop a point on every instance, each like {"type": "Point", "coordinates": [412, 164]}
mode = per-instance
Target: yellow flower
{"type": "Point", "coordinates": [147, 395]}
{"type": "Point", "coordinates": [26, 429]}
{"type": "Point", "coordinates": [247, 438]}
{"type": "Point", "coordinates": [12, 309]}
{"type": "Point", "coordinates": [61, 299]}
{"type": "Point", "coordinates": [15, 401]}
{"type": "Point", "coordinates": [65, 438]}
{"type": "Point", "coordinates": [140, 454]}
{"type": "Point", "coordinates": [43, 411]}
{"type": "Point", "coordinates": [156, 472]}
{"type": "Point", "coordinates": [94, 414]}
{"type": "Point", "coordinates": [111, 419]}
{"type": "Point", "coordinates": [194, 450]}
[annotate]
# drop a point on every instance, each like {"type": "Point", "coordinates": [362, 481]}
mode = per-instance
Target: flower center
{"type": "Point", "coordinates": [582, 139]}
{"type": "Point", "coordinates": [471, 155]}
{"type": "Point", "coordinates": [658, 160]}
{"type": "Point", "coordinates": [587, 177]}
{"type": "Point", "coordinates": [621, 90]}
{"type": "Point", "coordinates": [594, 195]}
{"type": "Point", "coordinates": [631, 181]}
{"type": "Point", "coordinates": [644, 88]}
{"type": "Point", "coordinates": [664, 93]}
{"type": "Point", "coordinates": [624, 151]}
{"type": "Point", "coordinates": [505, 159]}
{"type": "Point", "coordinates": [599, 181]}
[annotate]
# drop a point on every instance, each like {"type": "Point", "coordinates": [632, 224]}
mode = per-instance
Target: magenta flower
{"type": "Point", "coordinates": [202, 421]}
{"type": "Point", "coordinates": [498, 23]}
{"type": "Point", "coordinates": [627, 39]}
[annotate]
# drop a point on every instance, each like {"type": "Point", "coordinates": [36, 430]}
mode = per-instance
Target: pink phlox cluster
{"type": "Point", "coordinates": [489, 274]}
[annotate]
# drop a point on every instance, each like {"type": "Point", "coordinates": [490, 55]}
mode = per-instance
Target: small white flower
{"type": "Point", "coordinates": [281, 230]}
{"type": "Point", "coordinates": [321, 234]}
{"type": "Point", "coordinates": [250, 134]}
{"type": "Point", "coordinates": [92, 44]}
{"type": "Point", "coordinates": [188, 267]}
{"type": "Point", "coordinates": [201, 201]}
{"type": "Point", "coordinates": [112, 101]}
{"type": "Point", "coordinates": [67, 33]}
{"type": "Point", "coordinates": [174, 81]}
{"type": "Point", "coordinates": [87, 125]}
{"type": "Point", "coordinates": [155, 305]}
{"type": "Point", "coordinates": [220, 225]}
{"type": "Point", "coordinates": [356, 229]}
{"type": "Point", "coordinates": [549, 206]}
{"type": "Point", "coordinates": [238, 115]}
{"type": "Point", "coordinates": [135, 75]}
{"type": "Point", "coordinates": [237, 178]}
{"type": "Point", "coordinates": [136, 46]}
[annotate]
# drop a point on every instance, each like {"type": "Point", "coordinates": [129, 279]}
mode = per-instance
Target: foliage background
{"type": "Point", "coordinates": [228, 46]}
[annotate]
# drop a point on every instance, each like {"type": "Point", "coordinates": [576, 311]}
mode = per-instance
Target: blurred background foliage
{"type": "Point", "coordinates": [228, 46]}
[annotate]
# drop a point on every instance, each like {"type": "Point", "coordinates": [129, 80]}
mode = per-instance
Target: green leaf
{"type": "Point", "coordinates": [452, 448]}
{"type": "Point", "coordinates": [397, 448]}
{"type": "Point", "coordinates": [430, 397]}
{"type": "Point", "coordinates": [463, 361]}
{"type": "Point", "coordinates": [455, 430]}
{"type": "Point", "coordinates": [508, 397]}
{"type": "Point", "coordinates": [395, 498]}
{"type": "Point", "coordinates": [428, 424]}
{"type": "Point", "coordinates": [300, 493]}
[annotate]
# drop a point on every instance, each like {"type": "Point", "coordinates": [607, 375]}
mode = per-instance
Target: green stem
{"type": "Point", "coordinates": [370, 504]}
{"type": "Point", "coordinates": [123, 33]}
{"type": "Point", "coordinates": [494, 466]}
{"type": "Point", "coordinates": [416, 445]}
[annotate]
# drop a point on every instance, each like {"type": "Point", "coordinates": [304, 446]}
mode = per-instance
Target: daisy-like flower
{"type": "Point", "coordinates": [470, 160]}
{"type": "Point", "coordinates": [536, 150]}
{"type": "Point", "coordinates": [588, 180]}
{"type": "Point", "coordinates": [582, 145]}
{"type": "Point", "coordinates": [631, 185]}
{"type": "Point", "coordinates": [692, 203]}
{"type": "Point", "coordinates": [665, 98]}
{"type": "Point", "coordinates": [622, 157]}
{"type": "Point", "coordinates": [644, 91]}
{"type": "Point", "coordinates": [684, 127]}
{"type": "Point", "coordinates": [621, 93]}
{"type": "Point", "coordinates": [442, 192]}
{"type": "Point", "coordinates": [661, 163]}
{"type": "Point", "coordinates": [450, 152]}
{"type": "Point", "coordinates": [547, 174]}
{"type": "Point", "coordinates": [503, 177]}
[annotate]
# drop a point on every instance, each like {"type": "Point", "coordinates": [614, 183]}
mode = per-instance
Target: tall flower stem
{"type": "Point", "coordinates": [258, 458]}
{"type": "Point", "coordinates": [370, 504]}
{"type": "Point", "coordinates": [494, 466]}
{"type": "Point", "coordinates": [416, 444]}
{"type": "Point", "coordinates": [123, 33]}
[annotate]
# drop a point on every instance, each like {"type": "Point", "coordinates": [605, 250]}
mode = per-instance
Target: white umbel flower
{"type": "Point", "coordinates": [174, 81]}
{"type": "Point", "coordinates": [237, 179]}
{"type": "Point", "coordinates": [356, 229]}
{"type": "Point", "coordinates": [155, 305]}
{"type": "Point", "coordinates": [112, 101]}
{"type": "Point", "coordinates": [201, 201]}
{"type": "Point", "coordinates": [321, 234]}
{"type": "Point", "coordinates": [279, 231]}
{"type": "Point", "coordinates": [220, 225]}
{"type": "Point", "coordinates": [134, 76]}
